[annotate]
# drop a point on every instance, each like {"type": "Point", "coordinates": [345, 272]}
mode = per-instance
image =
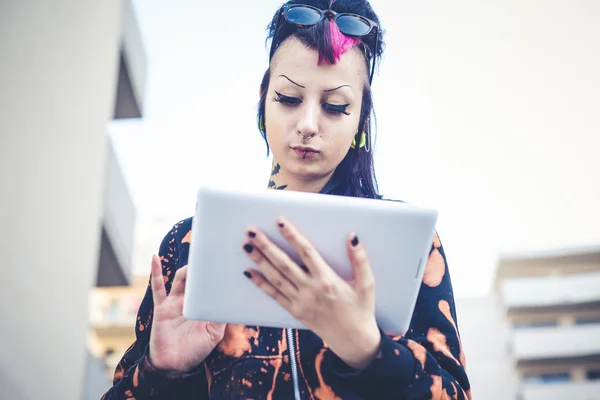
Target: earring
{"type": "Point", "coordinates": [363, 142]}
{"type": "Point", "coordinates": [261, 125]}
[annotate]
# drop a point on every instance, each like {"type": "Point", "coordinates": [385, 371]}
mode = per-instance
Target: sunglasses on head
{"type": "Point", "coordinates": [353, 25]}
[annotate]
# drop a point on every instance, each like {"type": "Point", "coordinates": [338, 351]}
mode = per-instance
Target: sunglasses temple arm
{"type": "Point", "coordinates": [374, 57]}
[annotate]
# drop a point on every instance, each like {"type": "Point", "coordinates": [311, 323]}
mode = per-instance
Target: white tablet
{"type": "Point", "coordinates": [397, 237]}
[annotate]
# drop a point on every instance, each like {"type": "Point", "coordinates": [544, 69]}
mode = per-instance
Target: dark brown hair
{"type": "Point", "coordinates": [355, 175]}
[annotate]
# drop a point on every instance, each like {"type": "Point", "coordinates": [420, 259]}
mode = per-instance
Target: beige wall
{"type": "Point", "coordinates": [57, 80]}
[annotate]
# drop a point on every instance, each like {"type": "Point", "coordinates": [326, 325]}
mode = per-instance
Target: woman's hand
{"type": "Point", "coordinates": [176, 344]}
{"type": "Point", "coordinates": [341, 313]}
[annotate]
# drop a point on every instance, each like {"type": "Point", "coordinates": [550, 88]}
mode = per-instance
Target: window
{"type": "Point", "coordinates": [587, 321]}
{"type": "Point", "coordinates": [593, 375]}
{"type": "Point", "coordinates": [534, 324]}
{"type": "Point", "coordinates": [113, 310]}
{"type": "Point", "coordinates": [547, 378]}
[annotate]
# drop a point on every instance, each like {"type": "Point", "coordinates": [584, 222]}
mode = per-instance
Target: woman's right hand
{"type": "Point", "coordinates": [177, 344]}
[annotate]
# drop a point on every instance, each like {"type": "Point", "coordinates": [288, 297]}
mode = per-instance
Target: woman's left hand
{"type": "Point", "coordinates": [341, 313]}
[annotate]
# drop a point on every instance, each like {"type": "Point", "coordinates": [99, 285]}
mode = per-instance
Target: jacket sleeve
{"type": "Point", "coordinates": [428, 361]}
{"type": "Point", "coordinates": [135, 377]}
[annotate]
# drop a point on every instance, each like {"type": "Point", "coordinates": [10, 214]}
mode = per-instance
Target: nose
{"type": "Point", "coordinates": [308, 124]}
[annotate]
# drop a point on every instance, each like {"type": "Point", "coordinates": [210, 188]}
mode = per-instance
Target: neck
{"type": "Point", "coordinates": [279, 180]}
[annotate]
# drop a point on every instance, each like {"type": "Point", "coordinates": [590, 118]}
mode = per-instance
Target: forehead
{"type": "Point", "coordinates": [294, 58]}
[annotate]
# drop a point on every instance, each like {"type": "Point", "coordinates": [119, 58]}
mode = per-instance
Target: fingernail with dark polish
{"type": "Point", "coordinates": [252, 234]}
{"type": "Point", "coordinates": [248, 248]}
{"type": "Point", "coordinates": [248, 274]}
{"type": "Point", "coordinates": [281, 224]}
{"type": "Point", "coordinates": [355, 241]}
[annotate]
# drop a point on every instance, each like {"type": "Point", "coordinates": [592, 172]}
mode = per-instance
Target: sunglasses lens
{"type": "Point", "coordinates": [303, 16]}
{"type": "Point", "coordinates": [353, 26]}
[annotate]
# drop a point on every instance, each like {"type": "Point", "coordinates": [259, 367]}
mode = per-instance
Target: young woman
{"type": "Point", "coordinates": [315, 115]}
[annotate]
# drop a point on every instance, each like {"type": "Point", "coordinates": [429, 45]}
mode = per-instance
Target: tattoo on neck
{"type": "Point", "coordinates": [272, 184]}
{"type": "Point", "coordinates": [276, 169]}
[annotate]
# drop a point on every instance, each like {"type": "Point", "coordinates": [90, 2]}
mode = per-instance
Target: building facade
{"type": "Point", "coordinates": [552, 306]}
{"type": "Point", "coordinates": [66, 215]}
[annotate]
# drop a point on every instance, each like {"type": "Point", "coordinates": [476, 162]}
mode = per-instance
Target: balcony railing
{"type": "Point", "coordinates": [118, 227]}
{"type": "Point", "coordinates": [131, 90]}
{"type": "Point", "coordinates": [584, 390]}
{"type": "Point", "coordinates": [556, 344]}
{"type": "Point", "coordinates": [552, 291]}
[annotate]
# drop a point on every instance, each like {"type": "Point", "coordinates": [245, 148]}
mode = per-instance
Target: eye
{"type": "Point", "coordinates": [287, 100]}
{"type": "Point", "coordinates": [336, 109]}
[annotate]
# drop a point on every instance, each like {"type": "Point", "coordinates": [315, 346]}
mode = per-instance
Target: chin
{"type": "Point", "coordinates": [310, 171]}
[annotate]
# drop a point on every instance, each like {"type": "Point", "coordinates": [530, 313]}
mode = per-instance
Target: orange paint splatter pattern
{"type": "Point", "coordinates": [119, 372]}
{"type": "Point", "coordinates": [435, 269]}
{"type": "Point", "coordinates": [436, 387]}
{"type": "Point", "coordinates": [444, 307]}
{"type": "Point", "coordinates": [323, 392]}
{"type": "Point", "coordinates": [246, 382]}
{"type": "Point", "coordinates": [438, 340]}
{"type": "Point", "coordinates": [282, 346]}
{"type": "Point", "coordinates": [455, 396]}
{"type": "Point", "coordinates": [136, 377]}
{"type": "Point", "coordinates": [187, 238]}
{"type": "Point", "coordinates": [253, 362]}
{"type": "Point", "coordinates": [436, 241]}
{"type": "Point", "coordinates": [418, 351]}
{"type": "Point", "coordinates": [238, 340]}
{"type": "Point", "coordinates": [208, 373]}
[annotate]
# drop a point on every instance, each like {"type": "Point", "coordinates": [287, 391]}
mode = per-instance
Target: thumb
{"type": "Point", "coordinates": [216, 330]}
{"type": "Point", "coordinates": [363, 276]}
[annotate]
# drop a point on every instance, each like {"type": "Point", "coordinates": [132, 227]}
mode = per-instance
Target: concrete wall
{"type": "Point", "coordinates": [96, 382]}
{"type": "Point", "coordinates": [57, 83]}
{"type": "Point", "coordinates": [485, 336]}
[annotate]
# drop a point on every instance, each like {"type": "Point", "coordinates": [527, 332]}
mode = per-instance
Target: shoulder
{"type": "Point", "coordinates": [436, 239]}
{"type": "Point", "coordinates": [175, 244]}
{"type": "Point", "coordinates": [179, 232]}
{"type": "Point", "coordinates": [182, 230]}
{"type": "Point", "coordinates": [394, 200]}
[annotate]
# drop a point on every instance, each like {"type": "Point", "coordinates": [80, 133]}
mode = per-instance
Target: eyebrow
{"type": "Point", "coordinates": [303, 87]}
{"type": "Point", "coordinates": [297, 84]}
{"type": "Point", "coordinates": [333, 90]}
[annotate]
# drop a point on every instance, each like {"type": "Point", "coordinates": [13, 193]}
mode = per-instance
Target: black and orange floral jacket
{"type": "Point", "coordinates": [253, 362]}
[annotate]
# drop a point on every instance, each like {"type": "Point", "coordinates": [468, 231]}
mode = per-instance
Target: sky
{"type": "Point", "coordinates": [486, 112]}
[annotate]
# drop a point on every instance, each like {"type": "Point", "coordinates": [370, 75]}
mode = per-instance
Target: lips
{"type": "Point", "coordinates": [305, 152]}
{"type": "Point", "coordinates": [305, 148]}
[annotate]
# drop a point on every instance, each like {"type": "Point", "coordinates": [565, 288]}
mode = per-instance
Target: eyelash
{"type": "Point", "coordinates": [294, 101]}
